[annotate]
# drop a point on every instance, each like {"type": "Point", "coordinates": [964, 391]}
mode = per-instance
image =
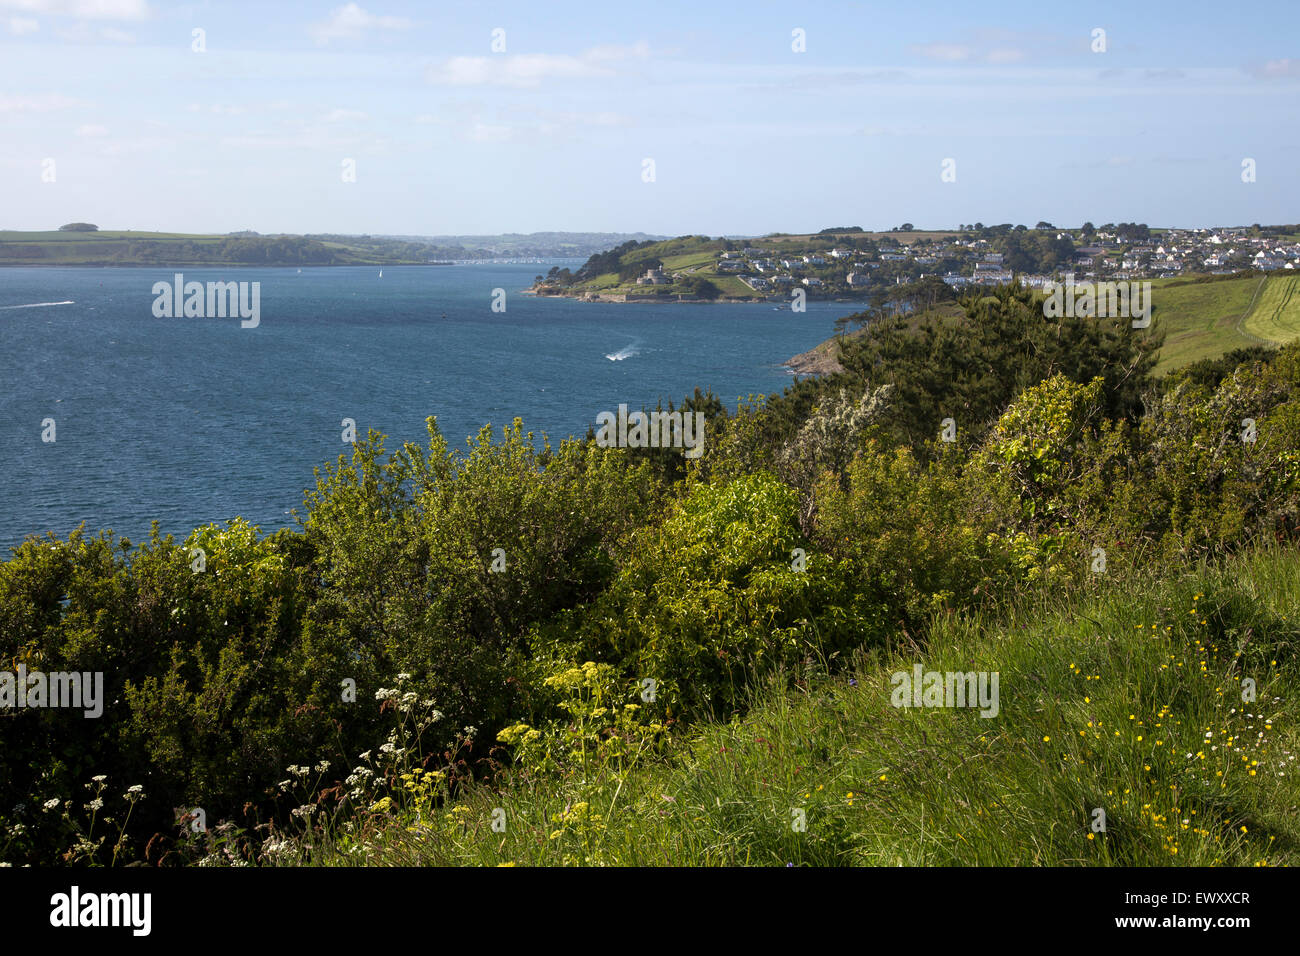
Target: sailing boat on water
{"type": "Point", "coordinates": [381, 273]}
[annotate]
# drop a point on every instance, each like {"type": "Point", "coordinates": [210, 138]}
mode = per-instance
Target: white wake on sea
{"type": "Point", "coordinates": [624, 353]}
{"type": "Point", "coordinates": [35, 305]}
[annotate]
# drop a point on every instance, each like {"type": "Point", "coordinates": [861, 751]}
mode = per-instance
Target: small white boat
{"type": "Point", "coordinates": [381, 273]}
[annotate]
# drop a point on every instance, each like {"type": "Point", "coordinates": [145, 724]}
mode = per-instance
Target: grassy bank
{"type": "Point", "coordinates": [1127, 699]}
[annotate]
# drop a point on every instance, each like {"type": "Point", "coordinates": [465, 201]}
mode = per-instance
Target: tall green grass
{"type": "Point", "coordinates": [1126, 699]}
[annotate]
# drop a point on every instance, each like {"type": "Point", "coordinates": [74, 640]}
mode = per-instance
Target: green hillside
{"type": "Point", "coordinates": [1101, 708]}
{"type": "Point", "coordinates": [1200, 318]}
{"type": "Point", "coordinates": [689, 261]}
{"type": "Point", "coordinates": [126, 247]}
{"type": "Point", "coordinates": [1276, 315]}
{"type": "Point", "coordinates": [1206, 319]}
{"type": "Point", "coordinates": [110, 247]}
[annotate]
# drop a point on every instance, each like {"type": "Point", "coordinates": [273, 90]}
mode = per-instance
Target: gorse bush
{"type": "Point", "coordinates": [208, 684]}
{"type": "Point", "coordinates": [724, 586]}
{"type": "Point", "coordinates": [438, 564]}
{"type": "Point", "coordinates": [561, 610]}
{"type": "Point", "coordinates": [917, 540]}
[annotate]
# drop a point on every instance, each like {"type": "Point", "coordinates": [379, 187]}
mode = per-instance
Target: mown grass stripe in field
{"type": "Point", "coordinates": [1276, 316]}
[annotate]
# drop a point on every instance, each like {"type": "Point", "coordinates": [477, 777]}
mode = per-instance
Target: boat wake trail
{"type": "Point", "coordinates": [35, 305]}
{"type": "Point", "coordinates": [624, 353]}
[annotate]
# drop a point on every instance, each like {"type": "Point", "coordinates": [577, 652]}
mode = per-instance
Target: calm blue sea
{"type": "Point", "coordinates": [191, 420]}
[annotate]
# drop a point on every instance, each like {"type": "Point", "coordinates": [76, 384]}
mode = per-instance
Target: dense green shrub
{"type": "Point", "coordinates": [1216, 468]}
{"type": "Point", "coordinates": [437, 564]}
{"type": "Point", "coordinates": [919, 539]}
{"type": "Point", "coordinates": [208, 689]}
{"type": "Point", "coordinates": [725, 586]}
{"type": "Point", "coordinates": [970, 369]}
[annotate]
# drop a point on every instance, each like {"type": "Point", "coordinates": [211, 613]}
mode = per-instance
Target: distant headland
{"type": "Point", "coordinates": [85, 244]}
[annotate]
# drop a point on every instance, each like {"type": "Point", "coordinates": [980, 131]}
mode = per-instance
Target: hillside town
{"type": "Point", "coordinates": [977, 262]}
{"type": "Point", "coordinates": [852, 264]}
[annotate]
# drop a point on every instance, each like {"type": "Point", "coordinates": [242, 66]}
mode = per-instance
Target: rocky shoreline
{"type": "Point", "coordinates": [637, 299]}
{"type": "Point", "coordinates": [822, 359]}
{"type": "Point", "coordinates": [622, 298]}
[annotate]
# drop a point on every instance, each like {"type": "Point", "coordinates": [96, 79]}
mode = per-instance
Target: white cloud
{"type": "Point", "coordinates": [83, 9]}
{"type": "Point", "coordinates": [1006, 56]}
{"type": "Point", "coordinates": [351, 21]}
{"type": "Point", "coordinates": [948, 52]}
{"type": "Point", "coordinates": [530, 69]}
{"type": "Point", "coordinates": [960, 53]}
{"type": "Point", "coordinates": [83, 32]}
{"type": "Point", "coordinates": [44, 103]}
{"type": "Point", "coordinates": [92, 130]}
{"type": "Point", "coordinates": [998, 46]}
{"type": "Point", "coordinates": [128, 147]}
{"type": "Point", "coordinates": [22, 25]}
{"type": "Point", "coordinates": [220, 109]}
{"type": "Point", "coordinates": [605, 118]}
{"type": "Point", "coordinates": [638, 51]}
{"type": "Point", "coordinates": [344, 116]}
{"type": "Point", "coordinates": [487, 133]}
{"type": "Point", "coordinates": [1279, 68]}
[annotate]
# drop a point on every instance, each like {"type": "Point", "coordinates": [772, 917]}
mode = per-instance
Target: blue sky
{"type": "Point", "coordinates": [747, 135]}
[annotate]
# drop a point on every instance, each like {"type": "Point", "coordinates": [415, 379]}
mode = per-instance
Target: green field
{"type": "Point", "coordinates": [732, 286]}
{"type": "Point", "coordinates": [690, 260]}
{"type": "Point", "coordinates": [1276, 316]}
{"type": "Point", "coordinates": [691, 265]}
{"type": "Point", "coordinates": [97, 248]}
{"type": "Point", "coordinates": [1205, 320]}
{"type": "Point", "coordinates": [103, 235]}
{"type": "Point", "coordinates": [113, 247]}
{"type": "Point", "coordinates": [1201, 320]}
